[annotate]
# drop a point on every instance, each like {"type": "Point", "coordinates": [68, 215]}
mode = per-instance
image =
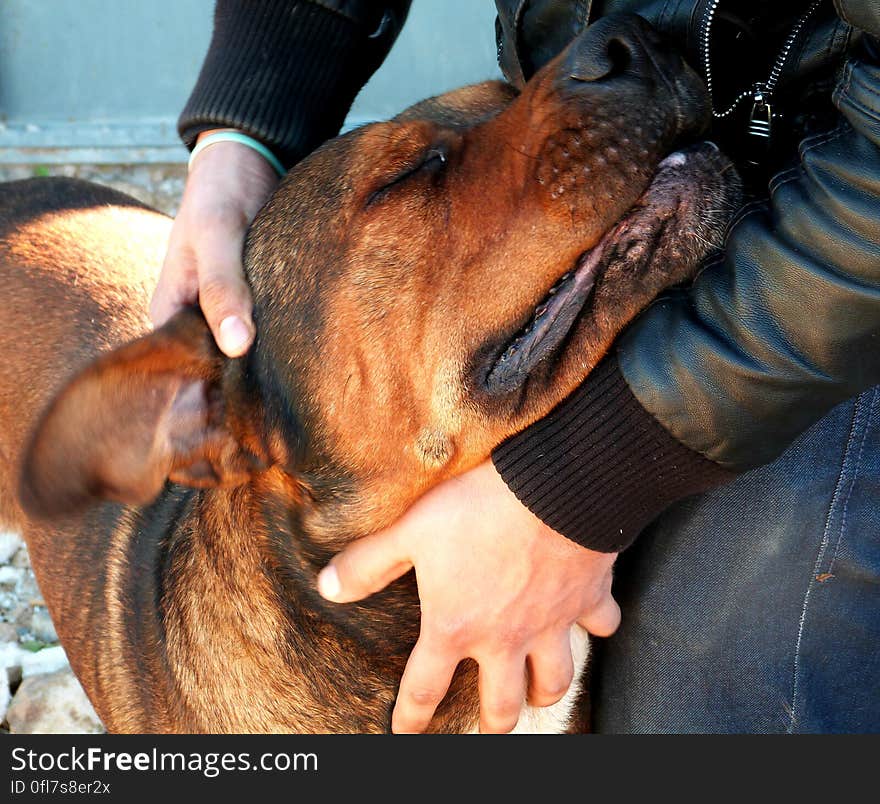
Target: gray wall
{"type": "Point", "coordinates": [104, 80]}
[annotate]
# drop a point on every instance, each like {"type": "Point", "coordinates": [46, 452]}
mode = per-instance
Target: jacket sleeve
{"type": "Point", "coordinates": [768, 339]}
{"type": "Point", "coordinates": [287, 71]}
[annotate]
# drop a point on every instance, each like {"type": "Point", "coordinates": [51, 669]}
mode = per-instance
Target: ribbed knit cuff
{"type": "Point", "coordinates": [286, 73]}
{"type": "Point", "coordinates": [599, 467]}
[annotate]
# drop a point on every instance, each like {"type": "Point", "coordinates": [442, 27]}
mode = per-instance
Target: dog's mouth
{"type": "Point", "coordinates": [691, 198]}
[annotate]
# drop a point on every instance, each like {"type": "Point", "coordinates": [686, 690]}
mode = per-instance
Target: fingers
{"type": "Point", "coordinates": [227, 185]}
{"type": "Point", "coordinates": [223, 293]}
{"type": "Point", "coordinates": [425, 681]}
{"type": "Point", "coordinates": [226, 303]}
{"type": "Point", "coordinates": [364, 567]}
{"type": "Point", "coordinates": [603, 619]}
{"type": "Point", "coordinates": [178, 283]}
{"type": "Point", "coordinates": [502, 684]}
{"type": "Point", "coordinates": [206, 267]}
{"type": "Point", "coordinates": [502, 692]}
{"type": "Point", "coordinates": [551, 668]}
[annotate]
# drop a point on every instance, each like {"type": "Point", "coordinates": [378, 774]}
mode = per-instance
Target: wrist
{"type": "Point", "coordinates": [208, 132]}
{"type": "Point", "coordinates": [211, 137]}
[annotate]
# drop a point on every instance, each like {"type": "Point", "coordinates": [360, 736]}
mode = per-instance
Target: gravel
{"type": "Point", "coordinates": [29, 650]}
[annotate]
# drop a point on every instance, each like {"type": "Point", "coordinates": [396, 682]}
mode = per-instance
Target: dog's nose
{"type": "Point", "coordinates": [617, 45]}
{"type": "Point", "coordinates": [622, 57]}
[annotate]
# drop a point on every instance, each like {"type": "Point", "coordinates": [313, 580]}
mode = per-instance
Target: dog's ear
{"type": "Point", "coordinates": [157, 408]}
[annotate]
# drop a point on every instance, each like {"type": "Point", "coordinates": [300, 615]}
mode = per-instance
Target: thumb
{"type": "Point", "coordinates": [226, 303]}
{"type": "Point", "coordinates": [224, 296]}
{"type": "Point", "coordinates": [364, 567]}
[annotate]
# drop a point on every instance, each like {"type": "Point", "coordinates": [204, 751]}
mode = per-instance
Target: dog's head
{"type": "Point", "coordinates": [423, 288]}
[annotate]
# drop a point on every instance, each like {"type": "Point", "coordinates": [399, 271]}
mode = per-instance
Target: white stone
{"type": "Point", "coordinates": [5, 695]}
{"type": "Point", "coordinates": [11, 575]}
{"type": "Point", "coordinates": [42, 626]}
{"type": "Point", "coordinates": [16, 662]}
{"type": "Point", "coordinates": [9, 544]}
{"type": "Point", "coordinates": [47, 660]}
{"type": "Point", "coordinates": [52, 703]}
{"type": "Point", "coordinates": [10, 655]}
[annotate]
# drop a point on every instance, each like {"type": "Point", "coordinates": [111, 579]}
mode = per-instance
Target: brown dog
{"type": "Point", "coordinates": [424, 288]}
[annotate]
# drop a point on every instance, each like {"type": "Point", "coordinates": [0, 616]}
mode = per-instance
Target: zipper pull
{"type": "Point", "coordinates": [756, 148]}
{"type": "Point", "coordinates": [761, 118]}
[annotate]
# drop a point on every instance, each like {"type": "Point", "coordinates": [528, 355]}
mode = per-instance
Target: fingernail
{"type": "Point", "coordinates": [328, 583]}
{"type": "Point", "coordinates": [234, 336]}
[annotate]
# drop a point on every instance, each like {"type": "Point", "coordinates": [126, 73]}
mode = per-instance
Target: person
{"type": "Point", "coordinates": [735, 426]}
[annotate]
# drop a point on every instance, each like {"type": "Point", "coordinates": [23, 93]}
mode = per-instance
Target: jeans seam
{"type": "Point", "coordinates": [823, 546]}
{"type": "Point", "coordinates": [852, 485]}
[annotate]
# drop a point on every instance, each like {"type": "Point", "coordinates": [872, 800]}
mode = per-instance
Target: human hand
{"type": "Point", "coordinates": [227, 184]}
{"type": "Point", "coordinates": [496, 585]}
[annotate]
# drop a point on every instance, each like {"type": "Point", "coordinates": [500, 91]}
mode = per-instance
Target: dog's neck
{"type": "Point", "coordinates": [249, 643]}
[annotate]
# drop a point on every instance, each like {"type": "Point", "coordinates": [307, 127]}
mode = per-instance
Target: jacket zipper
{"type": "Point", "coordinates": [761, 118]}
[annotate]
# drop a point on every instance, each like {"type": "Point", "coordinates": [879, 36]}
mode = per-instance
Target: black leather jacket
{"type": "Point", "coordinates": [788, 323]}
{"type": "Point", "coordinates": [782, 327]}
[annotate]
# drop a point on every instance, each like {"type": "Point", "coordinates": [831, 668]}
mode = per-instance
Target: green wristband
{"type": "Point", "coordinates": [242, 139]}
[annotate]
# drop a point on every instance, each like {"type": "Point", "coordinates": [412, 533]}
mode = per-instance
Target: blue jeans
{"type": "Point", "coordinates": [756, 607]}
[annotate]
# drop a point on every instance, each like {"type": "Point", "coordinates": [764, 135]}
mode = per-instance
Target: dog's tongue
{"type": "Point", "coordinates": [633, 240]}
{"type": "Point", "coordinates": [552, 321]}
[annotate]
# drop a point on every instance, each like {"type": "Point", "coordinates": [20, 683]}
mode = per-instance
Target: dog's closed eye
{"type": "Point", "coordinates": [431, 162]}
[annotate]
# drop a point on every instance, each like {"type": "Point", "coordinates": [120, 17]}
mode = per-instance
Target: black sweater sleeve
{"type": "Point", "coordinates": [287, 71]}
{"type": "Point", "coordinates": [599, 468]}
